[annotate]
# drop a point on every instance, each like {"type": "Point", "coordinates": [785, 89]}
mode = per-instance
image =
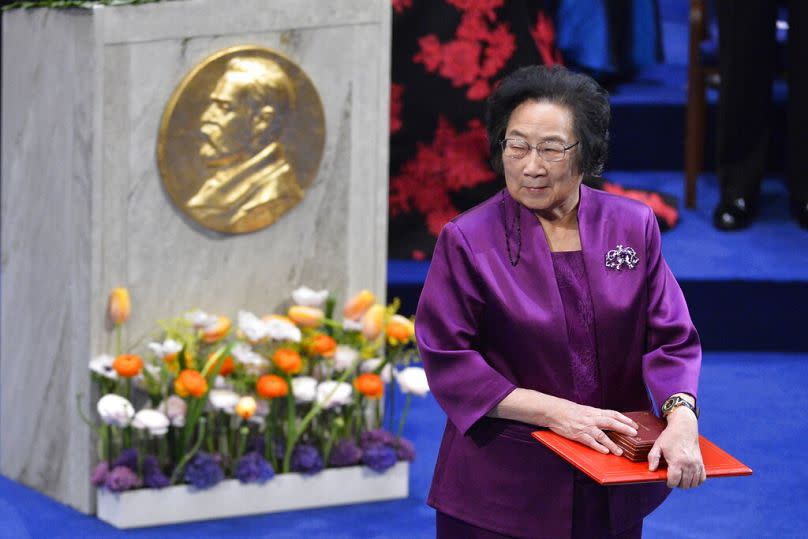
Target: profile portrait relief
{"type": "Point", "coordinates": [228, 157]}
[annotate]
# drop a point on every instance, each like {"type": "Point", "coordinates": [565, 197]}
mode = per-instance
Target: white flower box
{"type": "Point", "coordinates": [230, 498]}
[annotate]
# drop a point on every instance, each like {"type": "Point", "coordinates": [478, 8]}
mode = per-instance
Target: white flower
{"type": "Point", "coordinates": [253, 327]}
{"type": "Point", "coordinates": [345, 357]}
{"type": "Point", "coordinates": [200, 319]}
{"type": "Point", "coordinates": [223, 400]}
{"type": "Point", "coordinates": [152, 420]}
{"type": "Point", "coordinates": [280, 329]}
{"type": "Point", "coordinates": [103, 365]}
{"type": "Point", "coordinates": [175, 408]}
{"type": "Point", "coordinates": [304, 388]}
{"type": "Point", "coordinates": [343, 393]}
{"type": "Point", "coordinates": [115, 410]}
{"type": "Point", "coordinates": [413, 380]}
{"type": "Point", "coordinates": [370, 365]}
{"type": "Point", "coordinates": [254, 363]}
{"type": "Point", "coordinates": [166, 348]}
{"type": "Point", "coordinates": [351, 325]}
{"type": "Point", "coordinates": [308, 297]}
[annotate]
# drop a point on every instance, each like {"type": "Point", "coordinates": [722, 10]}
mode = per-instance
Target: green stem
{"type": "Point", "coordinates": [118, 340]}
{"type": "Point", "coordinates": [191, 453]}
{"type": "Point", "coordinates": [403, 418]}
{"type": "Point", "coordinates": [291, 430]}
{"type": "Point", "coordinates": [329, 443]}
{"type": "Point", "coordinates": [243, 432]}
{"type": "Point", "coordinates": [269, 437]}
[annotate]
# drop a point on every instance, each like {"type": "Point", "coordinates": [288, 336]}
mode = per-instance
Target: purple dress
{"type": "Point", "coordinates": [485, 327]}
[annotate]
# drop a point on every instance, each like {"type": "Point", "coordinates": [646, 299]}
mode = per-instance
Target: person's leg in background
{"type": "Point", "coordinates": [797, 75]}
{"type": "Point", "coordinates": [746, 65]}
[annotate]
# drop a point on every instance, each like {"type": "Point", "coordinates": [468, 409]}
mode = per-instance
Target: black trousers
{"type": "Point", "coordinates": [747, 67]}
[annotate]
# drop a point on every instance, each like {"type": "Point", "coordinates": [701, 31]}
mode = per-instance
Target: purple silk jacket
{"type": "Point", "coordinates": [484, 327]}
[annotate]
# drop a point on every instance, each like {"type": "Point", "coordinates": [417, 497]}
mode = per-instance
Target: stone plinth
{"type": "Point", "coordinates": [84, 208]}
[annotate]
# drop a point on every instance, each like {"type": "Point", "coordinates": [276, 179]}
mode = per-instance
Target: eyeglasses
{"type": "Point", "coordinates": [550, 151]}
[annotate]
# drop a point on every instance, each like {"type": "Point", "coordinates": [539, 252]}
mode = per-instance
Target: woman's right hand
{"type": "Point", "coordinates": [586, 425]}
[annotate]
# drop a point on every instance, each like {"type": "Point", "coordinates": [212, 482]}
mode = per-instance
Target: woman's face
{"type": "Point", "coordinates": [547, 188]}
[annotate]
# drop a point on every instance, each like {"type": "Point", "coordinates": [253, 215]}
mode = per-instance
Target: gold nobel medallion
{"type": "Point", "coordinates": [241, 139]}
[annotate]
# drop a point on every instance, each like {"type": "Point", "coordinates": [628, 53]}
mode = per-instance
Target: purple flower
{"type": "Point", "coordinates": [153, 476]}
{"type": "Point", "coordinates": [379, 457]}
{"type": "Point", "coordinates": [253, 468]}
{"type": "Point", "coordinates": [256, 444]}
{"type": "Point", "coordinates": [306, 459]}
{"type": "Point", "coordinates": [99, 475]}
{"type": "Point", "coordinates": [345, 453]}
{"type": "Point", "coordinates": [203, 471]}
{"type": "Point", "coordinates": [128, 458]}
{"type": "Point", "coordinates": [376, 437]}
{"type": "Point", "coordinates": [121, 478]}
{"type": "Point", "coordinates": [405, 450]}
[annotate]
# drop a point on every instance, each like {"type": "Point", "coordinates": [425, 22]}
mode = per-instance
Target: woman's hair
{"type": "Point", "coordinates": [588, 102]}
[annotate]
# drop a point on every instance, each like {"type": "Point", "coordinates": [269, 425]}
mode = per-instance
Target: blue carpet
{"type": "Point", "coordinates": [751, 406]}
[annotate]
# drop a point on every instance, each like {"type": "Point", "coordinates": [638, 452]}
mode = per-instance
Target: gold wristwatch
{"type": "Point", "coordinates": [676, 401]}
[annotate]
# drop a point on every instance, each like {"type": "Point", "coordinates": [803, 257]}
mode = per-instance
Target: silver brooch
{"type": "Point", "coordinates": [621, 256]}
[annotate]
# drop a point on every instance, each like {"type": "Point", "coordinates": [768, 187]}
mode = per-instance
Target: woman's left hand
{"type": "Point", "coordinates": [679, 444]}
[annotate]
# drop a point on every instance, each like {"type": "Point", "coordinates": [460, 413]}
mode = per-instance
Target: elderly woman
{"type": "Point", "coordinates": [550, 305]}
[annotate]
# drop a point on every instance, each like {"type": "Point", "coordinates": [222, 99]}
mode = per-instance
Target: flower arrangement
{"type": "Point", "coordinates": [208, 399]}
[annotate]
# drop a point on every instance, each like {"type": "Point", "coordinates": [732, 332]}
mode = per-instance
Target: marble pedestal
{"type": "Point", "coordinates": [84, 210]}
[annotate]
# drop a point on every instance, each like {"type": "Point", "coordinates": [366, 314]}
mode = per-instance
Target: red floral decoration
{"type": "Point", "coordinates": [396, 95]}
{"type": "Point", "coordinates": [400, 5]}
{"type": "Point", "coordinates": [544, 36]}
{"type": "Point", "coordinates": [479, 51]}
{"type": "Point", "coordinates": [453, 161]}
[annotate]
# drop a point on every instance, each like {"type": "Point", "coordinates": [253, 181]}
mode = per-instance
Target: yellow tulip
{"type": "Point", "coordinates": [119, 306]}
{"type": "Point", "coordinates": [372, 322]}
{"type": "Point", "coordinates": [358, 305]}
{"type": "Point", "coordinates": [307, 317]}
{"type": "Point", "coordinates": [400, 329]}
{"type": "Point", "coordinates": [246, 407]}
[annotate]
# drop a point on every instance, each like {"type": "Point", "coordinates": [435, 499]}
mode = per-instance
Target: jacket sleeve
{"type": "Point", "coordinates": [672, 360]}
{"type": "Point", "coordinates": [446, 326]}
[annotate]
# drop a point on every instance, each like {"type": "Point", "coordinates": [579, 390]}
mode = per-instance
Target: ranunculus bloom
{"type": "Point", "coordinates": [351, 325]}
{"type": "Point", "coordinates": [227, 367]}
{"type": "Point", "coordinates": [323, 345]}
{"type": "Point", "coordinates": [151, 420]}
{"type": "Point", "coordinates": [400, 329]}
{"type": "Point", "coordinates": [223, 400]}
{"type": "Point", "coordinates": [413, 380]}
{"type": "Point", "coordinates": [372, 322]}
{"type": "Point", "coordinates": [115, 410]}
{"type": "Point", "coordinates": [304, 388]}
{"type": "Point", "coordinates": [357, 305]}
{"type": "Point", "coordinates": [128, 365]}
{"type": "Point", "coordinates": [200, 319]}
{"type": "Point", "coordinates": [370, 365]}
{"type": "Point", "coordinates": [309, 298]}
{"type": "Point", "coordinates": [167, 350]}
{"type": "Point", "coordinates": [281, 328]}
{"type": "Point", "coordinates": [252, 327]}
{"type": "Point", "coordinates": [103, 365]}
{"type": "Point", "coordinates": [254, 363]}
{"type": "Point", "coordinates": [369, 385]}
{"type": "Point", "coordinates": [190, 382]}
{"type": "Point", "coordinates": [307, 317]}
{"type": "Point", "coordinates": [345, 357]}
{"type": "Point", "coordinates": [287, 360]}
{"type": "Point", "coordinates": [175, 409]}
{"type": "Point", "coordinates": [246, 407]}
{"type": "Point", "coordinates": [119, 306]}
{"type": "Point", "coordinates": [271, 386]}
{"type": "Point", "coordinates": [340, 394]}
{"type": "Point", "coordinates": [217, 331]}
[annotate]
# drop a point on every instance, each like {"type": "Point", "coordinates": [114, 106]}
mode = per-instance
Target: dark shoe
{"type": "Point", "coordinates": [800, 211]}
{"type": "Point", "coordinates": [734, 214]}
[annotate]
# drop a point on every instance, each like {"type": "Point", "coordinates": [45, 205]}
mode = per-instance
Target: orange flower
{"type": "Point", "coordinates": [369, 385]}
{"type": "Point", "coordinates": [271, 386]}
{"type": "Point", "coordinates": [218, 331]}
{"type": "Point", "coordinates": [323, 345]}
{"type": "Point", "coordinates": [192, 383]}
{"type": "Point", "coordinates": [358, 304]}
{"type": "Point", "coordinates": [307, 317]}
{"type": "Point", "coordinates": [287, 360]}
{"type": "Point", "coordinates": [119, 306]}
{"type": "Point", "coordinates": [227, 366]}
{"type": "Point", "coordinates": [246, 407]}
{"type": "Point", "coordinates": [127, 365]}
{"type": "Point", "coordinates": [372, 322]}
{"type": "Point", "coordinates": [400, 329]}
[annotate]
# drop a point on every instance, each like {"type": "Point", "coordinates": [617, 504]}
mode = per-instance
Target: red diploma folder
{"type": "Point", "coordinates": [614, 470]}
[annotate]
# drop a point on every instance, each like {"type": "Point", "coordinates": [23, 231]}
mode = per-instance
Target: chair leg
{"type": "Point", "coordinates": [694, 143]}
